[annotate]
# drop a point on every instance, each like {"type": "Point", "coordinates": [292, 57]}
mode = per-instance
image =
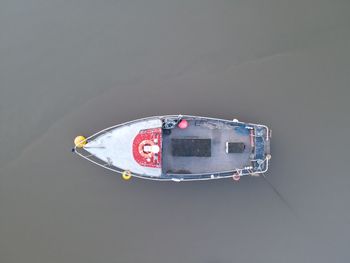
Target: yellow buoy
{"type": "Point", "coordinates": [80, 141]}
{"type": "Point", "coordinates": [126, 175]}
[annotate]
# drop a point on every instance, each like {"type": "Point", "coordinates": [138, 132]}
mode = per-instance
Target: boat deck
{"type": "Point", "coordinates": [206, 160]}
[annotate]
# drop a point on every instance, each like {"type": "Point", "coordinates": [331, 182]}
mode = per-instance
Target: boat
{"type": "Point", "coordinates": [179, 148]}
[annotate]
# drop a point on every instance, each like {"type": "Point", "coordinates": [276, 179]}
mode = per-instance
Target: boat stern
{"type": "Point", "coordinates": [260, 137]}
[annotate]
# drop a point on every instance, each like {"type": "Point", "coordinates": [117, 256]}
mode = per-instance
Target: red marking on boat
{"type": "Point", "coordinates": [252, 138]}
{"type": "Point", "coordinates": [147, 148]}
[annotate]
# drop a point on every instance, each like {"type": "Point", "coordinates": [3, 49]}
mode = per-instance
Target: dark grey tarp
{"type": "Point", "coordinates": [191, 147]}
{"type": "Point", "coordinates": [235, 147]}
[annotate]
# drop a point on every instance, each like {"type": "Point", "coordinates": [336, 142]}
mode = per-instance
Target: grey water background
{"type": "Point", "coordinates": [75, 67]}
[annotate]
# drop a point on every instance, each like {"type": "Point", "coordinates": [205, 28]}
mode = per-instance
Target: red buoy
{"type": "Point", "coordinates": [236, 177]}
{"type": "Point", "coordinates": [183, 124]}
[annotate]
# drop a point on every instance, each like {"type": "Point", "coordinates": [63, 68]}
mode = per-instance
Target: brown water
{"type": "Point", "coordinates": [79, 66]}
